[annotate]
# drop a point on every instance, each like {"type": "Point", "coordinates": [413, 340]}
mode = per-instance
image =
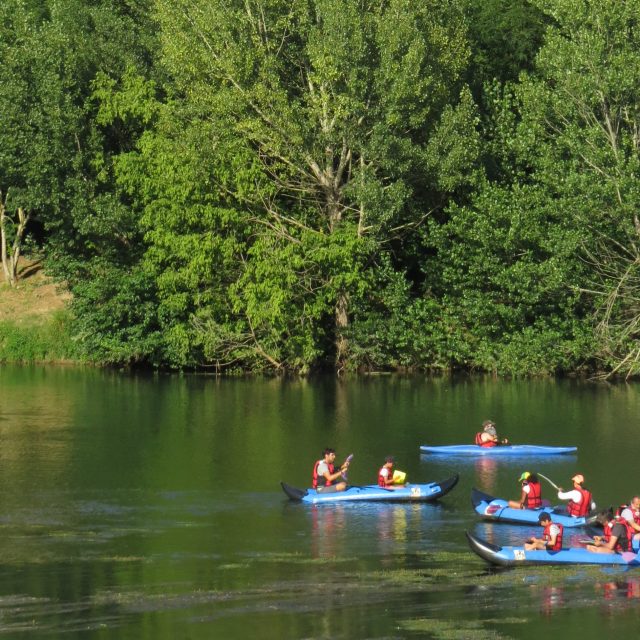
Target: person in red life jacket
{"type": "Point", "coordinates": [488, 437]}
{"type": "Point", "coordinates": [631, 513]}
{"type": "Point", "coordinates": [551, 536]}
{"type": "Point", "coordinates": [580, 499]}
{"type": "Point", "coordinates": [616, 536]}
{"type": "Point", "coordinates": [324, 473]}
{"type": "Point", "coordinates": [531, 496]}
{"type": "Point", "coordinates": [385, 475]}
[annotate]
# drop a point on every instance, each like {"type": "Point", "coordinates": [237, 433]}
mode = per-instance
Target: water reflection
{"type": "Point", "coordinates": [552, 598]}
{"type": "Point", "coordinates": [487, 473]}
{"type": "Point", "coordinates": [385, 530]}
{"type": "Point", "coordinates": [327, 522]}
{"type": "Point", "coordinates": [628, 589]}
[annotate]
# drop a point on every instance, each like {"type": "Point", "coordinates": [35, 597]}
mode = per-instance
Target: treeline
{"type": "Point", "coordinates": [295, 185]}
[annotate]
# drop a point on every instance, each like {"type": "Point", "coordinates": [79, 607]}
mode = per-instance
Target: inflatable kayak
{"type": "Point", "coordinates": [491, 508]}
{"type": "Point", "coordinates": [513, 556]}
{"type": "Point", "coordinates": [501, 450]}
{"type": "Point", "coordinates": [410, 493]}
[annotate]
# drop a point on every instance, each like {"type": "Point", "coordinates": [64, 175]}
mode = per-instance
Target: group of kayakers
{"type": "Point", "coordinates": [619, 528]}
{"type": "Point", "coordinates": [326, 479]}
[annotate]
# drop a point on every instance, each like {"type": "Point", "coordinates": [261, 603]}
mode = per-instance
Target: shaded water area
{"type": "Point", "coordinates": [150, 507]}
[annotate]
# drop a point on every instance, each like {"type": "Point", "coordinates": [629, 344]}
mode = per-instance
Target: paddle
{"type": "Point", "coordinates": [553, 484]}
{"type": "Point", "coordinates": [347, 461]}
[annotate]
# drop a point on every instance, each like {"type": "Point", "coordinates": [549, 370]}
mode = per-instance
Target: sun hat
{"type": "Point", "coordinates": [579, 478]}
{"type": "Point", "coordinates": [524, 476]}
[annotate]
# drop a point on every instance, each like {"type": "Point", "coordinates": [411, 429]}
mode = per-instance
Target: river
{"type": "Point", "coordinates": [148, 506]}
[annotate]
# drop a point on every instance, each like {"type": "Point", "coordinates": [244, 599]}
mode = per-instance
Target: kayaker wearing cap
{"type": "Point", "coordinates": [617, 534]}
{"type": "Point", "coordinates": [488, 437]}
{"type": "Point", "coordinates": [324, 474]}
{"type": "Point", "coordinates": [580, 499]}
{"type": "Point", "coordinates": [551, 536]}
{"type": "Point", "coordinates": [386, 475]}
{"type": "Point", "coordinates": [531, 496]}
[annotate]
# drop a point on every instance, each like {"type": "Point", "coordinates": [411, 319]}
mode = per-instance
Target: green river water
{"type": "Point", "coordinates": [149, 507]}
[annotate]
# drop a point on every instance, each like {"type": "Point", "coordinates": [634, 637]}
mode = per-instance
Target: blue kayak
{"type": "Point", "coordinates": [513, 556]}
{"type": "Point", "coordinates": [495, 509]}
{"type": "Point", "coordinates": [501, 450]}
{"type": "Point", "coordinates": [409, 493]}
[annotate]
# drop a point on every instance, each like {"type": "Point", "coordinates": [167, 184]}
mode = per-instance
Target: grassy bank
{"type": "Point", "coordinates": [48, 340]}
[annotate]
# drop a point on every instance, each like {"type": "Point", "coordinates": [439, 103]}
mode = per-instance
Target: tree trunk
{"type": "Point", "coordinates": [342, 322]}
{"type": "Point", "coordinates": [11, 256]}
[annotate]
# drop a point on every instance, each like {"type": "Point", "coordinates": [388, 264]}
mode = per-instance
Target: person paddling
{"type": "Point", "coordinates": [531, 496]}
{"type": "Point", "coordinates": [324, 473]}
{"type": "Point", "coordinates": [551, 536]}
{"type": "Point", "coordinates": [488, 437]}
{"type": "Point", "coordinates": [385, 475]}
{"type": "Point", "coordinates": [580, 499]}
{"type": "Point", "coordinates": [616, 537]}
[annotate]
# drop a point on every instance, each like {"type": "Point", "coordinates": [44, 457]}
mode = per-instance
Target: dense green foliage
{"type": "Point", "coordinates": [296, 185]}
{"type": "Point", "coordinates": [49, 341]}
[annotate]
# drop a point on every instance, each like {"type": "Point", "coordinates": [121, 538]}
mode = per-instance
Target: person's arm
{"type": "Point", "coordinates": [611, 543]}
{"type": "Point", "coordinates": [574, 495]}
{"type": "Point", "coordinates": [330, 477]}
{"type": "Point", "coordinates": [523, 497]}
{"type": "Point", "coordinates": [553, 536]}
{"type": "Point", "coordinates": [388, 477]}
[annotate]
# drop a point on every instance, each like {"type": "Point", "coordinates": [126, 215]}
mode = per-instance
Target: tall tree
{"type": "Point", "coordinates": [555, 237]}
{"type": "Point", "coordinates": [328, 121]}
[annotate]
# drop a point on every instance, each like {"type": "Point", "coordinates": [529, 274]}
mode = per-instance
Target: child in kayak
{"type": "Point", "coordinates": [551, 537]}
{"type": "Point", "coordinates": [386, 475]}
{"type": "Point", "coordinates": [531, 496]}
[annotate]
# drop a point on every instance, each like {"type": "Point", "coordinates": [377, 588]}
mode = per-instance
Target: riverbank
{"type": "Point", "coordinates": [35, 318]}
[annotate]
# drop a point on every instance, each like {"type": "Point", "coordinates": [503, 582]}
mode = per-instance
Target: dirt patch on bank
{"type": "Point", "coordinates": [34, 299]}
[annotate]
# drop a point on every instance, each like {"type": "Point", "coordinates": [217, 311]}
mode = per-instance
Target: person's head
{"type": "Point", "coordinates": [635, 503]}
{"type": "Point", "coordinates": [544, 519]}
{"type": "Point", "coordinates": [488, 426]}
{"type": "Point", "coordinates": [389, 460]}
{"type": "Point", "coordinates": [604, 517]}
{"type": "Point", "coordinates": [578, 480]}
{"type": "Point", "coordinates": [524, 476]}
{"type": "Point", "coordinates": [329, 454]}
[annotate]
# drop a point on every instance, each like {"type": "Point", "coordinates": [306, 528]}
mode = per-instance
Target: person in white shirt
{"type": "Point", "coordinates": [551, 538]}
{"type": "Point", "coordinates": [580, 499]}
{"type": "Point", "coordinates": [631, 513]}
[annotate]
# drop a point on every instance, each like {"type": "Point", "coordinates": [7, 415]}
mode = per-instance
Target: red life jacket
{"type": "Point", "coordinates": [580, 509]}
{"type": "Point", "coordinates": [315, 478]}
{"type": "Point", "coordinates": [546, 535]}
{"type": "Point", "coordinates": [636, 514]}
{"type": "Point", "coordinates": [534, 497]}
{"type": "Point", "coordinates": [382, 481]}
{"type": "Point", "coordinates": [622, 543]}
{"type": "Point", "coordinates": [480, 442]}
